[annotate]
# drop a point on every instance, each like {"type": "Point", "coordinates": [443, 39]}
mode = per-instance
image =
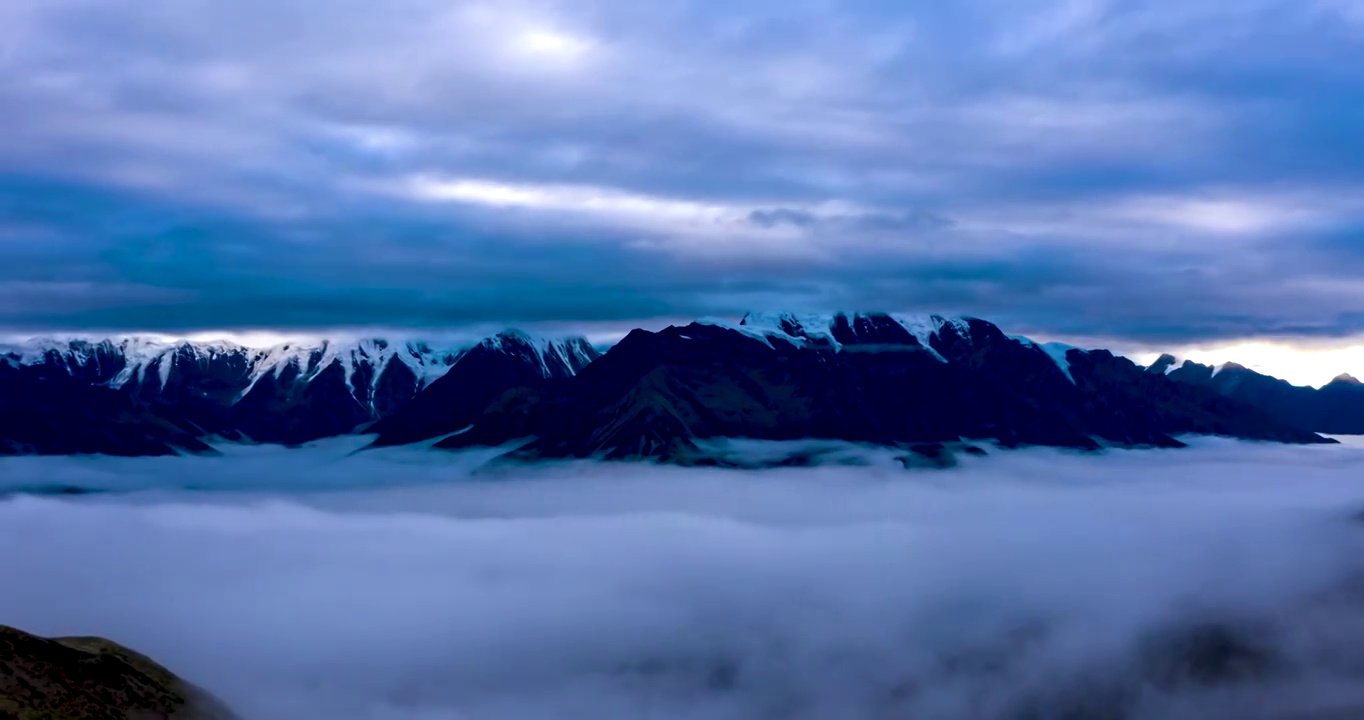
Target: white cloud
{"type": "Point", "coordinates": [388, 586]}
{"type": "Point", "coordinates": [610, 202]}
{"type": "Point", "coordinates": [1212, 216]}
{"type": "Point", "coordinates": [673, 225]}
{"type": "Point", "coordinates": [1249, 213]}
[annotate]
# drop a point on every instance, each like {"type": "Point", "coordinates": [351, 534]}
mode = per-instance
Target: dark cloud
{"type": "Point", "coordinates": [873, 221]}
{"type": "Point", "coordinates": [1133, 170]}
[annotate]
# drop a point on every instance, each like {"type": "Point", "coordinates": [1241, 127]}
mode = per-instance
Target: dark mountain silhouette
{"type": "Point", "coordinates": [47, 412]}
{"type": "Point", "coordinates": [864, 378]}
{"type": "Point", "coordinates": [1336, 408]}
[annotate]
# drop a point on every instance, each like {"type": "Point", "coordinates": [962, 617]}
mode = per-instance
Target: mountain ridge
{"type": "Point", "coordinates": [888, 379]}
{"type": "Point", "coordinates": [655, 394]}
{"type": "Point", "coordinates": [290, 393]}
{"type": "Point", "coordinates": [1336, 408]}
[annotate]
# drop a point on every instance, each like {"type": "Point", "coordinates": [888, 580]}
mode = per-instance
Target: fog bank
{"type": "Point", "coordinates": [1219, 581]}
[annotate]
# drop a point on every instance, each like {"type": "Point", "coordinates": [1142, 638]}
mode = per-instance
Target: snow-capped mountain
{"type": "Point", "coordinates": [151, 363]}
{"type": "Point", "coordinates": [866, 330]}
{"type": "Point", "coordinates": [485, 374]}
{"type": "Point", "coordinates": [838, 330]}
{"type": "Point", "coordinates": [913, 382]}
{"type": "Point", "coordinates": [289, 393]}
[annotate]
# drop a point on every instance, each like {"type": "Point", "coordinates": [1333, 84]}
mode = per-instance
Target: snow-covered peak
{"type": "Point", "coordinates": [106, 358]}
{"type": "Point", "coordinates": [924, 327]}
{"type": "Point", "coordinates": [1058, 352]}
{"type": "Point", "coordinates": [312, 358]}
{"type": "Point", "coordinates": [556, 355]}
{"type": "Point", "coordinates": [37, 350]}
{"type": "Point", "coordinates": [814, 327]}
{"type": "Point", "coordinates": [142, 355]}
{"type": "Point", "coordinates": [827, 329]}
{"type": "Point", "coordinates": [151, 361]}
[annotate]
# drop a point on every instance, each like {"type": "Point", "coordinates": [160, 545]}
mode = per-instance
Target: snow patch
{"type": "Point", "coordinates": [144, 355]}
{"type": "Point", "coordinates": [311, 360]}
{"type": "Point", "coordinates": [739, 327]}
{"type": "Point", "coordinates": [1056, 351]}
{"type": "Point", "coordinates": [812, 327]}
{"type": "Point", "coordinates": [568, 353]}
{"type": "Point", "coordinates": [924, 327]}
{"type": "Point", "coordinates": [817, 329]}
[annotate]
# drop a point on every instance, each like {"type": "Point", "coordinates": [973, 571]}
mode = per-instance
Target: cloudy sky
{"type": "Point", "coordinates": [1139, 174]}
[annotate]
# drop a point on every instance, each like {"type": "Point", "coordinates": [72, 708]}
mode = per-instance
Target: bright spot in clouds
{"type": "Point", "coordinates": [552, 45]}
{"type": "Point", "coordinates": [604, 203]}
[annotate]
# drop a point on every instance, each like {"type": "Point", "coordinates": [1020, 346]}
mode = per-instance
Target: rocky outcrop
{"type": "Point", "coordinates": [93, 679]}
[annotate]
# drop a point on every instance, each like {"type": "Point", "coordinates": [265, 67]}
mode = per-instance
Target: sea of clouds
{"type": "Point", "coordinates": [1221, 581]}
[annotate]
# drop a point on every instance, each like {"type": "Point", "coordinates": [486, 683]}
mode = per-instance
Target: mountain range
{"type": "Point", "coordinates": [139, 397]}
{"type": "Point", "coordinates": [1336, 408]}
{"type": "Point", "coordinates": [919, 383]}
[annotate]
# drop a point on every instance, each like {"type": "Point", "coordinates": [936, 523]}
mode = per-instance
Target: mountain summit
{"type": "Point", "coordinates": [1336, 408]}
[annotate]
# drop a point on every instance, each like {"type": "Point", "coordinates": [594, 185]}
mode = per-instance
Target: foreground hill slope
{"type": "Point", "coordinates": [92, 679]}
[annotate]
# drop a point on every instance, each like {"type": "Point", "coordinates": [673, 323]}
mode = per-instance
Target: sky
{"type": "Point", "coordinates": [1142, 175]}
{"type": "Point", "coordinates": [395, 585]}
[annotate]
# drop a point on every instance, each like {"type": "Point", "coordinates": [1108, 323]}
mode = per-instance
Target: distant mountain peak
{"type": "Point", "coordinates": [1346, 379]}
{"type": "Point", "coordinates": [1164, 365]}
{"type": "Point", "coordinates": [571, 353]}
{"type": "Point", "coordinates": [1228, 367]}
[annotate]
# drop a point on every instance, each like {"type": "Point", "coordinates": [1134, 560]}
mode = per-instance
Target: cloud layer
{"type": "Point", "coordinates": [1215, 582]}
{"type": "Point", "coordinates": [1131, 170]}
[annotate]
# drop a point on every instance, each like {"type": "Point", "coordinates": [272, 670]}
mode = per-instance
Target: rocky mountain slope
{"type": "Point", "coordinates": [45, 411]}
{"type": "Point", "coordinates": [92, 679]}
{"type": "Point", "coordinates": [870, 378]}
{"type": "Point", "coordinates": [288, 394]}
